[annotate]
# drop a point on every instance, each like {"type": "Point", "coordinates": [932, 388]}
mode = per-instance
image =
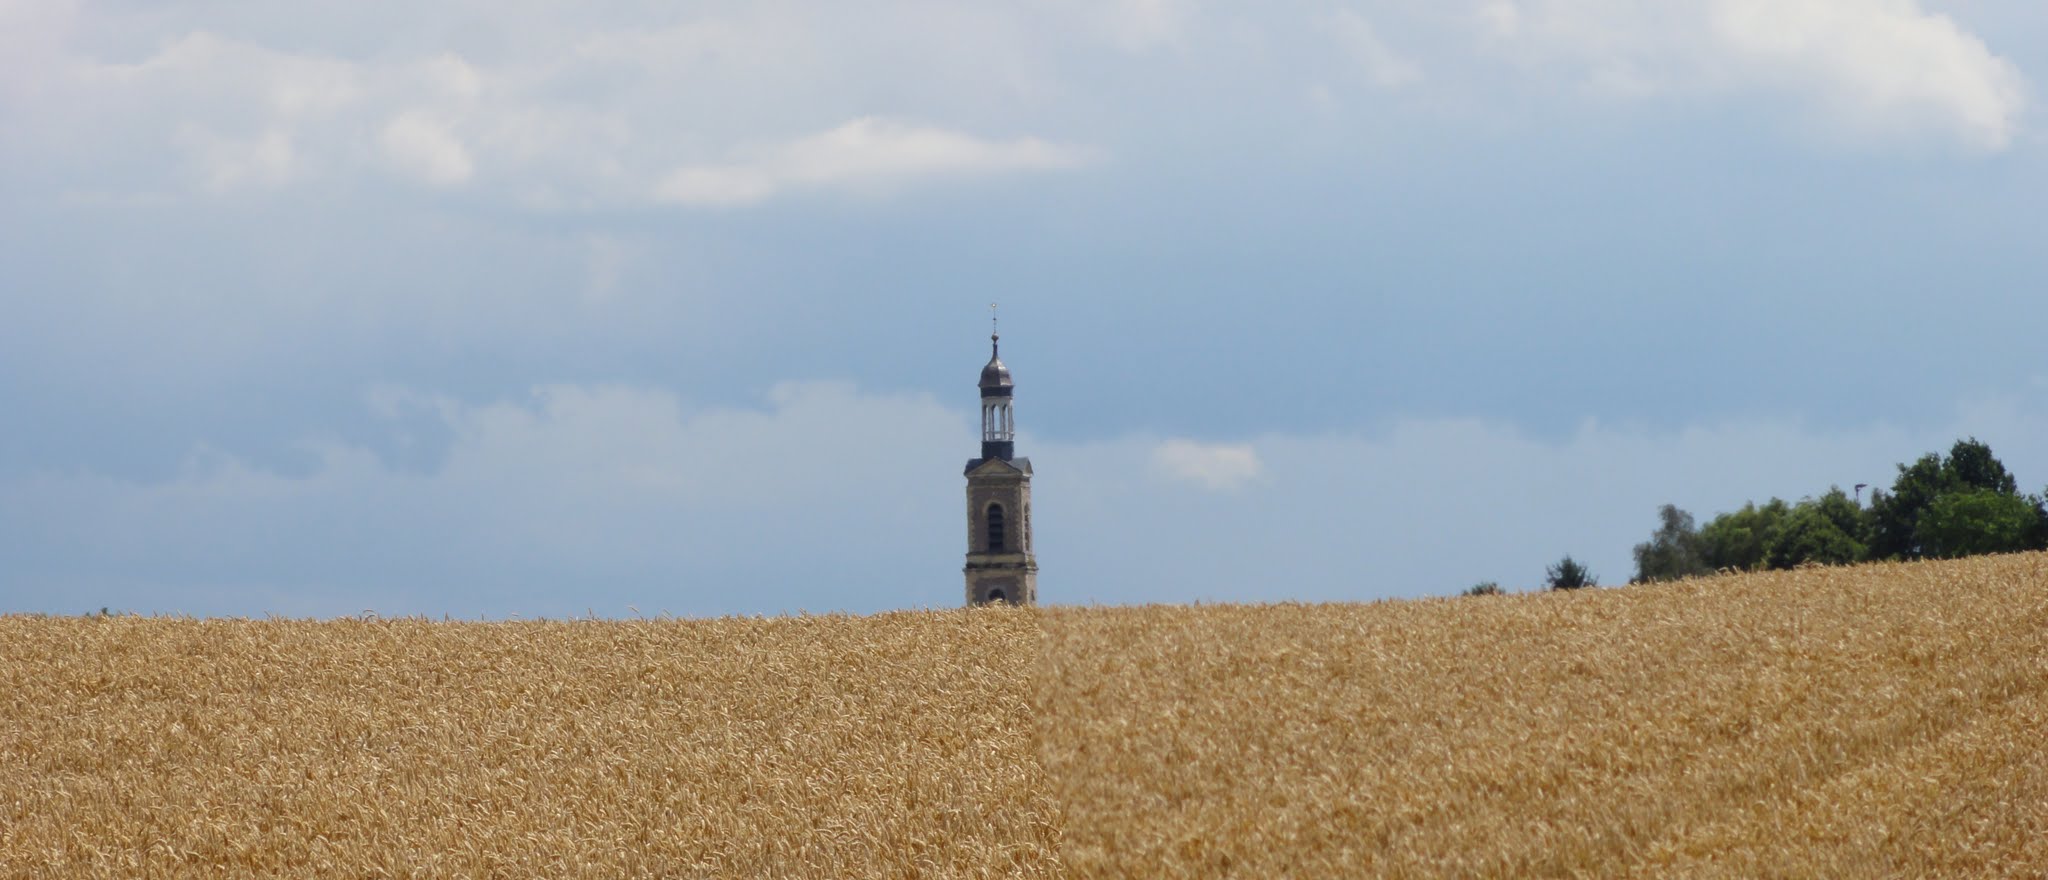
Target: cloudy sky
{"type": "Point", "coordinates": [487, 309]}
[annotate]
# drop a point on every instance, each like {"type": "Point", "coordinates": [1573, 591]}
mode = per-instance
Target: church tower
{"type": "Point", "coordinates": [1000, 565]}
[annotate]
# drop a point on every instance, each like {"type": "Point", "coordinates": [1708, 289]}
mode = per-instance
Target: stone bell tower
{"type": "Point", "coordinates": [1000, 565]}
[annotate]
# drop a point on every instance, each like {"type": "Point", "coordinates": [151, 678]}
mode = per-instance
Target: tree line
{"type": "Point", "coordinates": [1964, 503]}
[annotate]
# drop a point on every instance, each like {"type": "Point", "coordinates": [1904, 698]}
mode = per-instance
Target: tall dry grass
{"type": "Point", "coordinates": [1887, 720]}
{"type": "Point", "coordinates": [1877, 721]}
{"type": "Point", "coordinates": [897, 745]}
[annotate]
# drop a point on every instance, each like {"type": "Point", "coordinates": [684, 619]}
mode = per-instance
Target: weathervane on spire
{"type": "Point", "coordinates": [993, 336]}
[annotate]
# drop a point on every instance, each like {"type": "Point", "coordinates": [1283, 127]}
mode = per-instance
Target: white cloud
{"type": "Point", "coordinates": [564, 109]}
{"type": "Point", "coordinates": [453, 76]}
{"type": "Point", "coordinates": [572, 109]}
{"type": "Point", "coordinates": [206, 74]}
{"type": "Point", "coordinates": [425, 148]}
{"type": "Point", "coordinates": [869, 152]}
{"type": "Point", "coordinates": [1882, 63]}
{"type": "Point", "coordinates": [1499, 18]}
{"type": "Point", "coordinates": [1382, 65]}
{"type": "Point", "coordinates": [32, 34]}
{"type": "Point", "coordinates": [266, 161]}
{"type": "Point", "coordinates": [1882, 68]}
{"type": "Point", "coordinates": [1218, 466]}
{"type": "Point", "coordinates": [1137, 25]}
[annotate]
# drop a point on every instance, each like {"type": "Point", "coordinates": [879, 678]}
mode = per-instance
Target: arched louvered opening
{"type": "Point", "coordinates": [995, 528]}
{"type": "Point", "coordinates": [996, 596]}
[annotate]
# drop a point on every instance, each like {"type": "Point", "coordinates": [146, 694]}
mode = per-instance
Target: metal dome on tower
{"type": "Point", "coordinates": [995, 377]}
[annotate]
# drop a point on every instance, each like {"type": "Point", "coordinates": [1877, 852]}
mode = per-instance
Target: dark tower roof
{"type": "Point", "coordinates": [995, 375]}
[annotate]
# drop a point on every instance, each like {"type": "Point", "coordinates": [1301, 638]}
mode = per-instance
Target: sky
{"type": "Point", "coordinates": [521, 309]}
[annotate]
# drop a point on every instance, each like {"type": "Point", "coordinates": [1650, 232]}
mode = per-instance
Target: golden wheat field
{"type": "Point", "coordinates": [895, 745]}
{"type": "Point", "coordinates": [1887, 720]}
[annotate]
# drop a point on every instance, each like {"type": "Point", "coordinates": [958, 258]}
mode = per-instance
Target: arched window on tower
{"type": "Point", "coordinates": [995, 528]}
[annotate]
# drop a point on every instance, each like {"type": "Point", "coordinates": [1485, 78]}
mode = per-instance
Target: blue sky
{"type": "Point", "coordinates": [511, 308]}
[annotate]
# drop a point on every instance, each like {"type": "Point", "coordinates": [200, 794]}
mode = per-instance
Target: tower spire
{"type": "Point", "coordinates": [998, 424]}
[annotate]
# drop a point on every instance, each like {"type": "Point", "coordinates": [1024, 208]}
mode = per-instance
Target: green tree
{"type": "Point", "coordinates": [1895, 514]}
{"type": "Point", "coordinates": [1819, 530]}
{"type": "Point", "coordinates": [1673, 551]}
{"type": "Point", "coordinates": [2038, 538]}
{"type": "Point", "coordinates": [1568, 574]}
{"type": "Point", "coordinates": [1807, 535]}
{"type": "Point", "coordinates": [1484, 588]}
{"type": "Point", "coordinates": [1841, 510]}
{"type": "Point", "coordinates": [1972, 465]}
{"type": "Point", "coordinates": [1741, 539]}
{"type": "Point", "coordinates": [1973, 521]}
{"type": "Point", "coordinates": [1893, 530]}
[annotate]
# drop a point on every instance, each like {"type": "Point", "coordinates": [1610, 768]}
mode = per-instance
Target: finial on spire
{"type": "Point", "coordinates": [994, 338]}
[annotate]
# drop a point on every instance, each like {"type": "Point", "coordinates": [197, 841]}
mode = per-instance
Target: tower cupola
{"type": "Point", "coordinates": [995, 378]}
{"type": "Point", "coordinates": [998, 417]}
